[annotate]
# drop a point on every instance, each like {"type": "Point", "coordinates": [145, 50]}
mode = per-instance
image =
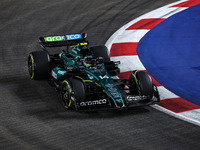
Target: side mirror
{"type": "Point", "coordinates": [84, 35]}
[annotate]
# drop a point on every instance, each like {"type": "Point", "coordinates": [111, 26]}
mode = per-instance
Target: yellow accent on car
{"type": "Point", "coordinates": [79, 77]}
{"type": "Point", "coordinates": [86, 64]}
{"type": "Point", "coordinates": [67, 84]}
{"type": "Point", "coordinates": [88, 81]}
{"type": "Point", "coordinates": [70, 91]}
{"type": "Point", "coordinates": [137, 82]}
{"type": "Point", "coordinates": [79, 44]}
{"type": "Point", "coordinates": [32, 63]}
{"type": "Point", "coordinates": [83, 43]}
{"type": "Point", "coordinates": [68, 104]}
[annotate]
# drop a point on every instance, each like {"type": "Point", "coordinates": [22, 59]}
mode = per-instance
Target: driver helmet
{"type": "Point", "coordinates": [88, 61]}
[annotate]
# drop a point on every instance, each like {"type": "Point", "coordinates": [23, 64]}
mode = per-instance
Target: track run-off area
{"type": "Point", "coordinates": [166, 44]}
{"type": "Point", "coordinates": [32, 115]}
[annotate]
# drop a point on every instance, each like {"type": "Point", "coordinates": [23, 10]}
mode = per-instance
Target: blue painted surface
{"type": "Point", "coordinates": [171, 53]}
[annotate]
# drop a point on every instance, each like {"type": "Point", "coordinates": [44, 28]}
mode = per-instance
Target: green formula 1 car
{"type": "Point", "coordinates": [86, 78]}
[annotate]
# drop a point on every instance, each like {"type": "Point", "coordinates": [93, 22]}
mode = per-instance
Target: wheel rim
{"type": "Point", "coordinates": [139, 88]}
{"type": "Point", "coordinates": [66, 95]}
{"type": "Point", "coordinates": [31, 66]}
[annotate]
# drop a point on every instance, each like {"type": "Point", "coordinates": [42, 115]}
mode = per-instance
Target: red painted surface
{"type": "Point", "coordinates": [146, 24]}
{"type": "Point", "coordinates": [178, 105]}
{"type": "Point", "coordinates": [122, 49]}
{"type": "Point", "coordinates": [189, 3]}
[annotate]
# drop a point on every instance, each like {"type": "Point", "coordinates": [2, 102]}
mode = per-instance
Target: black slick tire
{"type": "Point", "coordinates": [73, 91]}
{"type": "Point", "coordinates": [101, 51]}
{"type": "Point", "coordinates": [39, 65]}
{"type": "Point", "coordinates": [141, 83]}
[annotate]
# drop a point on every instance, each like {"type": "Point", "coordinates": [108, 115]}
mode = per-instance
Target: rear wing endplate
{"type": "Point", "coordinates": [62, 40]}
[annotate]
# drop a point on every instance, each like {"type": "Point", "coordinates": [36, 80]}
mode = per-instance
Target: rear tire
{"type": "Point", "coordinates": [39, 65]}
{"type": "Point", "coordinates": [101, 51]}
{"type": "Point", "coordinates": [111, 68]}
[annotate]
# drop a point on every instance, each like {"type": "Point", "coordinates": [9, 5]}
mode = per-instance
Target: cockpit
{"type": "Point", "coordinates": [91, 62]}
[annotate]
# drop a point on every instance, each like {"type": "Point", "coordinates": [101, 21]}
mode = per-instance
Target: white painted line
{"type": "Point", "coordinates": [192, 114]}
{"type": "Point", "coordinates": [130, 36]}
{"type": "Point", "coordinates": [128, 63]}
{"type": "Point", "coordinates": [165, 93]}
{"type": "Point", "coordinates": [183, 116]}
{"type": "Point", "coordinates": [164, 12]}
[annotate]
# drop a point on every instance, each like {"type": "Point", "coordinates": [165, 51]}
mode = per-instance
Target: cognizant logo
{"type": "Point", "coordinates": [62, 38]}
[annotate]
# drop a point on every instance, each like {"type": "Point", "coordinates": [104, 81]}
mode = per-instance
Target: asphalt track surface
{"type": "Point", "coordinates": [32, 115]}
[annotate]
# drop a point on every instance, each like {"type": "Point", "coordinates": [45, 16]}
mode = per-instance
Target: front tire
{"type": "Point", "coordinates": [73, 91]}
{"type": "Point", "coordinates": [102, 51]}
{"type": "Point", "coordinates": [140, 83]}
{"type": "Point", "coordinates": [67, 94]}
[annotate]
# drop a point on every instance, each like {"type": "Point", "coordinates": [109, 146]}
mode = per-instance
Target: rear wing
{"type": "Point", "coordinates": [62, 40]}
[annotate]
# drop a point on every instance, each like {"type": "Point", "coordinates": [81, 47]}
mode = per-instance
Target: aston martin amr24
{"type": "Point", "coordinates": [86, 77]}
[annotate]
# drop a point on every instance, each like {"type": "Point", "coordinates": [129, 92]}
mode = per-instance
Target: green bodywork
{"type": "Point", "coordinates": [97, 74]}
